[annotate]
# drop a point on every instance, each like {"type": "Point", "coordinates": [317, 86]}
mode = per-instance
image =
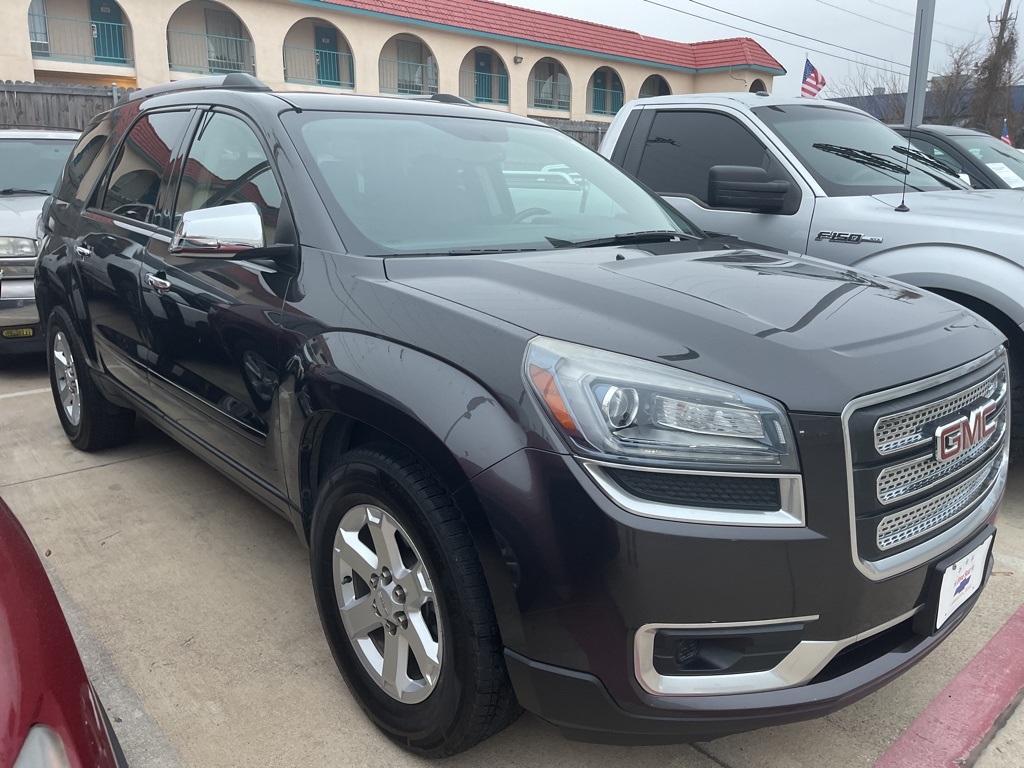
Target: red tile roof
{"type": "Point", "coordinates": [550, 29]}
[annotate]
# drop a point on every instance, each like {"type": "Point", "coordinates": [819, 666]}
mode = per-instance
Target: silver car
{"type": "Point", "coordinates": [31, 161]}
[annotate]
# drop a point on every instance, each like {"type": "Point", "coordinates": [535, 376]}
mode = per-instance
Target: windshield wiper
{"type": "Point", "coordinates": [625, 238]}
{"type": "Point", "coordinates": [864, 157]}
{"type": "Point", "coordinates": [20, 191]}
{"type": "Point", "coordinates": [931, 162]}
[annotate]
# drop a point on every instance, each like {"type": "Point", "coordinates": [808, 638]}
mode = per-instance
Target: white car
{"type": "Point", "coordinates": [31, 161]}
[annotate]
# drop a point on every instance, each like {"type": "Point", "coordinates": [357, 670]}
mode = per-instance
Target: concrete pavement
{"type": "Point", "coordinates": [193, 606]}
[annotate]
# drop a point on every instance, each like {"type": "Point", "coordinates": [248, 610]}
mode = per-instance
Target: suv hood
{"type": "Point", "coordinates": [796, 329]}
{"type": "Point", "coordinates": [18, 215]}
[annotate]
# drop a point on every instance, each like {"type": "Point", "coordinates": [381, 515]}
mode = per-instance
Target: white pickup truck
{"type": "Point", "coordinates": [828, 180]}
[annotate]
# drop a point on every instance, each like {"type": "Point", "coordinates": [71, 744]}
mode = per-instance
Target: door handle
{"type": "Point", "coordinates": [82, 251]}
{"type": "Point", "coordinates": [157, 283]}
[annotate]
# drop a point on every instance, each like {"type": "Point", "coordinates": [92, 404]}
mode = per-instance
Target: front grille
{"type": "Point", "coordinates": [915, 522]}
{"type": "Point", "coordinates": [902, 495]}
{"type": "Point", "coordinates": [922, 473]}
{"type": "Point", "coordinates": [711, 491]}
{"type": "Point", "coordinates": [902, 431]}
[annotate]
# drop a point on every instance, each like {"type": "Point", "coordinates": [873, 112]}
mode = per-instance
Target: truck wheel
{"type": "Point", "coordinates": [90, 421]}
{"type": "Point", "coordinates": [404, 604]}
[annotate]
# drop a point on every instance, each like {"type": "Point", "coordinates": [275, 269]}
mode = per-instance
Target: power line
{"type": "Point", "coordinates": [786, 42]}
{"type": "Point", "coordinates": [862, 16]}
{"type": "Point", "coordinates": [914, 15]}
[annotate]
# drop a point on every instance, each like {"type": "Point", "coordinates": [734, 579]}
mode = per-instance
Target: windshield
{"type": "Point", "coordinates": [32, 166]}
{"type": "Point", "coordinates": [850, 153]}
{"type": "Point", "coordinates": [426, 184]}
{"type": "Point", "coordinates": [1004, 161]}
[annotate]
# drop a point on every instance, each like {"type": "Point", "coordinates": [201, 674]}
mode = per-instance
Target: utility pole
{"type": "Point", "coordinates": [990, 84]}
{"type": "Point", "coordinates": [913, 114]}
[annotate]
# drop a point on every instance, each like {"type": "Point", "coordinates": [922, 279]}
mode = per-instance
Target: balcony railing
{"type": "Point", "coordinates": [90, 42]}
{"type": "Point", "coordinates": [549, 94]}
{"type": "Point", "coordinates": [483, 87]}
{"type": "Point", "coordinates": [316, 67]}
{"type": "Point", "coordinates": [208, 54]}
{"type": "Point", "coordinates": [604, 101]}
{"type": "Point", "coordinates": [407, 77]}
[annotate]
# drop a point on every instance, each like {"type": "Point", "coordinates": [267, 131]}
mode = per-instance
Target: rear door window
{"type": "Point", "coordinates": [140, 165]}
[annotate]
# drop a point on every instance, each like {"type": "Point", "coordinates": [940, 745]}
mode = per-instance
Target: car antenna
{"type": "Point", "coordinates": [902, 207]}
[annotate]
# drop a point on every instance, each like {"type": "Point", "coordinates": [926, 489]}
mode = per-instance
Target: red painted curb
{"type": "Point", "coordinates": [960, 717]}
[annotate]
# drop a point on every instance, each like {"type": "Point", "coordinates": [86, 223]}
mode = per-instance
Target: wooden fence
{"type": "Point", "coordinates": [586, 132]}
{"type": "Point", "coordinates": [46, 105]}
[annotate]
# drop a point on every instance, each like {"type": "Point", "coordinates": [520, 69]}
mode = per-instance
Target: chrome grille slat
{"type": "Point", "coordinates": [909, 524]}
{"type": "Point", "coordinates": [904, 430]}
{"type": "Point", "coordinates": [924, 472]}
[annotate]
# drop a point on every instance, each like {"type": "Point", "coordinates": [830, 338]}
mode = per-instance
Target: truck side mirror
{"type": "Point", "coordinates": [746, 187]}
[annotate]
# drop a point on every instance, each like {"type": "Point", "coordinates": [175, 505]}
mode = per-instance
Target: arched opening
{"type": "Point", "coordinates": [88, 31]}
{"type": "Point", "coordinates": [655, 85]}
{"type": "Point", "coordinates": [483, 77]}
{"type": "Point", "coordinates": [208, 38]}
{"type": "Point", "coordinates": [604, 92]}
{"type": "Point", "coordinates": [317, 53]}
{"type": "Point", "coordinates": [758, 86]}
{"type": "Point", "coordinates": [549, 86]}
{"type": "Point", "coordinates": [407, 66]}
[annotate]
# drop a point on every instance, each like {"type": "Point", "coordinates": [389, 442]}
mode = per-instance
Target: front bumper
{"type": "Point", "coordinates": [20, 328]}
{"type": "Point", "coordinates": [588, 577]}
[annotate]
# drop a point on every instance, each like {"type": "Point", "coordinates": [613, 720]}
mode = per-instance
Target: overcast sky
{"type": "Point", "coordinates": [878, 32]}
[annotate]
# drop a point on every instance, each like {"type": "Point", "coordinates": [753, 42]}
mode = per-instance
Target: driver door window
{"type": "Point", "coordinates": [226, 164]}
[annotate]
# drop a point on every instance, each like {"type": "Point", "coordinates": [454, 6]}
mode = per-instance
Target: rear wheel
{"type": "Point", "coordinates": [404, 605]}
{"type": "Point", "coordinates": [90, 421]}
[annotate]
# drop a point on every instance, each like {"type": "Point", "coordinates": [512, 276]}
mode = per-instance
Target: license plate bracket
{"type": "Point", "coordinates": [955, 581]}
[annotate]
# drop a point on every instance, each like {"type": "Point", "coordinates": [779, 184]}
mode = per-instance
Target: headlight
{"type": "Point", "coordinates": [614, 406]}
{"type": "Point", "coordinates": [42, 749]}
{"type": "Point", "coordinates": [17, 246]}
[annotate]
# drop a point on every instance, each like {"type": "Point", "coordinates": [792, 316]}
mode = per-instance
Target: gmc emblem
{"type": "Point", "coordinates": [951, 440]}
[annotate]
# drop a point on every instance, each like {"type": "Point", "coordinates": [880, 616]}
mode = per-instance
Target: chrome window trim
{"type": "Point", "coordinates": [947, 540]}
{"type": "Point", "coordinates": [790, 513]}
{"type": "Point", "coordinates": [801, 665]}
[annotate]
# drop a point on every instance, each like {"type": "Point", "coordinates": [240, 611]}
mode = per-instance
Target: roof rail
{"type": "Point", "coordinates": [235, 81]}
{"type": "Point", "coordinates": [445, 98]}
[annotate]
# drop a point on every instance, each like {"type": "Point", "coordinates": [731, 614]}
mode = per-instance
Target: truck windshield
{"type": "Point", "coordinates": [424, 184]}
{"type": "Point", "coordinates": [850, 153]}
{"type": "Point", "coordinates": [31, 166]}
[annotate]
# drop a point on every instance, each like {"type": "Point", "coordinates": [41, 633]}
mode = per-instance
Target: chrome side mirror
{"type": "Point", "coordinates": [218, 233]}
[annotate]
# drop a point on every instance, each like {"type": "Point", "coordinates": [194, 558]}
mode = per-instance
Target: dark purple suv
{"type": "Point", "coordinates": [550, 444]}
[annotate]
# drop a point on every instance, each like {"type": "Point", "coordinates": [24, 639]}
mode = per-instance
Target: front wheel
{"type": "Point", "coordinates": [404, 604]}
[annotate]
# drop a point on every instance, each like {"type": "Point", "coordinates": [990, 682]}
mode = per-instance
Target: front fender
{"type": "Point", "coordinates": [988, 277]}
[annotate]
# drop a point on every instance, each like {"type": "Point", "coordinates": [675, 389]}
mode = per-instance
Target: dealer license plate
{"type": "Point", "coordinates": [961, 580]}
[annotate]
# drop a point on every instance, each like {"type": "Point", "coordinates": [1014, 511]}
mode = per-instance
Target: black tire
{"type": "Point", "coordinates": [471, 698]}
{"type": "Point", "coordinates": [1016, 395]}
{"type": "Point", "coordinates": [96, 423]}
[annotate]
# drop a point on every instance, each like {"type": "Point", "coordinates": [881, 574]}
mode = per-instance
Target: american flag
{"type": "Point", "coordinates": [813, 81]}
{"type": "Point", "coordinates": [1006, 134]}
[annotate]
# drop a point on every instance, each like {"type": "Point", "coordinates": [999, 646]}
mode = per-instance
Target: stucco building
{"type": "Point", "coordinates": [511, 58]}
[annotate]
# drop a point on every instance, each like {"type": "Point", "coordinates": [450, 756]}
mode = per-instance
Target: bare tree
{"type": "Point", "coordinates": [950, 90]}
{"type": "Point", "coordinates": [887, 89]}
{"type": "Point", "coordinates": [996, 73]}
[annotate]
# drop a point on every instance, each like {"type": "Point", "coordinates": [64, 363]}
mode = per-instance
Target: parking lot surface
{"type": "Point", "coordinates": [192, 605]}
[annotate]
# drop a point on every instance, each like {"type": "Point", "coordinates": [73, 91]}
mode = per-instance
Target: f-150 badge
{"type": "Point", "coordinates": [853, 238]}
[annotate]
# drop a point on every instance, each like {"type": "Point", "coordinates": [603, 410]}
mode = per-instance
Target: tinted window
{"type": "Point", "coordinates": [134, 180]}
{"type": "Point", "coordinates": [683, 146]}
{"type": "Point", "coordinates": [87, 161]}
{"type": "Point", "coordinates": [226, 164]}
